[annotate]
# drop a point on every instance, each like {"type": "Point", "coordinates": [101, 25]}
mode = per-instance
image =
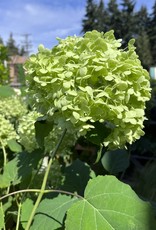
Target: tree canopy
{"type": "Point", "coordinates": [127, 23]}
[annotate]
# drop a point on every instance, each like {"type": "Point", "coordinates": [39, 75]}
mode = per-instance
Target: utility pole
{"type": "Point", "coordinates": [26, 44]}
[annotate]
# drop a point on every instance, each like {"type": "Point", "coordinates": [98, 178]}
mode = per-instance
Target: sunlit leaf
{"type": "Point", "coordinates": [110, 204]}
{"type": "Point", "coordinates": [27, 207]}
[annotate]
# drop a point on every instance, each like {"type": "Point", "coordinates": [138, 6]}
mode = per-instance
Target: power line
{"type": "Point", "coordinates": [27, 45]}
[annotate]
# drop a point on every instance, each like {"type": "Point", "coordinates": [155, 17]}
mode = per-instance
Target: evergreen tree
{"type": "Point", "coordinates": [143, 49]}
{"type": "Point", "coordinates": [11, 45]}
{"type": "Point", "coordinates": [1, 41]}
{"type": "Point", "coordinates": [142, 19]}
{"type": "Point", "coordinates": [22, 51]}
{"type": "Point", "coordinates": [90, 21]}
{"type": "Point", "coordinates": [101, 18]}
{"type": "Point", "coordinates": [142, 38]}
{"type": "Point", "coordinates": [128, 25]}
{"type": "Point", "coordinates": [152, 33]}
{"type": "Point", "coordinates": [115, 20]}
{"type": "Point", "coordinates": [3, 68]}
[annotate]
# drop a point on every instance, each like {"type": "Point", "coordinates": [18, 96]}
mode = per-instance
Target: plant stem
{"type": "Point", "coordinates": [44, 181]}
{"type": "Point", "coordinates": [4, 153]}
{"type": "Point", "coordinates": [2, 215]}
{"type": "Point", "coordinates": [5, 160]}
{"type": "Point", "coordinates": [18, 216]}
{"type": "Point", "coordinates": [38, 191]}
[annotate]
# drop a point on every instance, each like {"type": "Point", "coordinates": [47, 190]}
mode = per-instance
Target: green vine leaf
{"type": "Point", "coordinates": [51, 213]}
{"type": "Point", "coordinates": [112, 205]}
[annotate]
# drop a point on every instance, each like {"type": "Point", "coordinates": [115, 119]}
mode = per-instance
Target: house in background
{"type": "Point", "coordinates": [16, 71]}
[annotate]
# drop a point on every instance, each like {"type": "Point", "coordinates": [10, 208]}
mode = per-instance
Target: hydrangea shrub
{"type": "Point", "coordinates": [12, 107]}
{"type": "Point", "coordinates": [91, 79]}
{"type": "Point", "coordinates": [7, 131]}
{"type": "Point", "coordinates": [26, 131]}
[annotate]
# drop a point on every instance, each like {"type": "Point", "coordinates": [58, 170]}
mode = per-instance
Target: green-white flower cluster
{"type": "Point", "coordinates": [87, 79]}
{"type": "Point", "coordinates": [7, 131]}
{"type": "Point", "coordinates": [12, 107]}
{"type": "Point", "coordinates": [26, 131]}
{"type": "Point", "coordinates": [16, 122]}
{"type": "Point", "coordinates": [27, 136]}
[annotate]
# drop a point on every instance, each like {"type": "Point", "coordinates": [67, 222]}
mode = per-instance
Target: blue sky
{"type": "Point", "coordinates": [45, 20]}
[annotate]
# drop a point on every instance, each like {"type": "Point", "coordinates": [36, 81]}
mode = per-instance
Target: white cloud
{"type": "Point", "coordinates": [42, 21]}
{"type": "Point", "coordinates": [30, 9]}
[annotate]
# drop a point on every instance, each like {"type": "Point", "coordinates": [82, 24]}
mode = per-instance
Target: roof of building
{"type": "Point", "coordinates": [17, 59]}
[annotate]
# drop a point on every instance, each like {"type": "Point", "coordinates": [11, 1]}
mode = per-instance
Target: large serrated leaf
{"type": "Point", "coordinates": [112, 205]}
{"type": "Point", "coordinates": [51, 213]}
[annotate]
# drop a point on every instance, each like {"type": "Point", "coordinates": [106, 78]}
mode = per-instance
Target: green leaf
{"type": "Point", "coordinates": [51, 213]}
{"type": "Point", "coordinates": [27, 207]}
{"type": "Point", "coordinates": [8, 203]}
{"type": "Point", "coordinates": [18, 169]}
{"type": "Point", "coordinates": [10, 173]}
{"type": "Point", "coordinates": [42, 129]}
{"type": "Point", "coordinates": [112, 205]}
{"type": "Point", "coordinates": [115, 161]}
{"type": "Point", "coordinates": [14, 146]}
{"type": "Point", "coordinates": [6, 91]}
{"type": "Point", "coordinates": [77, 176]}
